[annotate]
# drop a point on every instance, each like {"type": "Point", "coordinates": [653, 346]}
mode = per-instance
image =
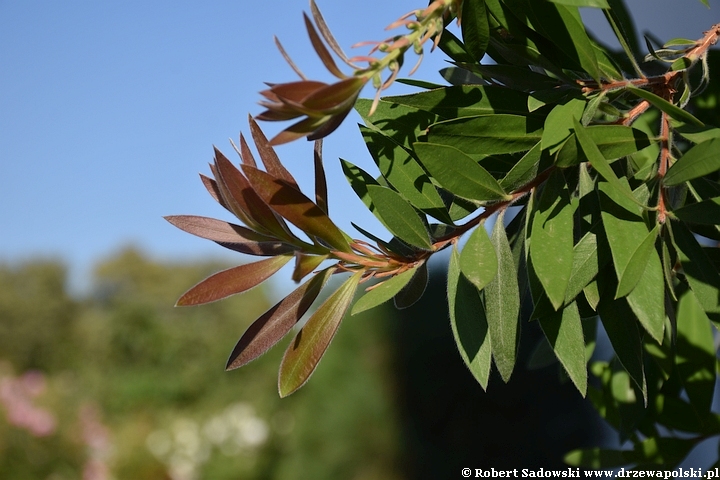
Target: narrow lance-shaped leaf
{"type": "Point", "coordinates": [399, 216]}
{"type": "Point", "coordinates": [488, 134]}
{"type": "Point", "coordinates": [674, 111]}
{"type": "Point", "coordinates": [321, 190]}
{"type": "Point", "coordinates": [413, 291]}
{"type": "Point", "coordinates": [502, 304]}
{"type": "Point", "coordinates": [468, 322]}
{"type": "Point", "coordinates": [551, 244]}
{"type": "Point", "coordinates": [383, 292]}
{"type": "Point", "coordinates": [229, 235]}
{"type": "Point", "coordinates": [293, 205]}
{"type": "Point", "coordinates": [268, 156]}
{"type": "Point", "coordinates": [636, 264]}
{"type": "Point", "coordinates": [700, 160]}
{"type": "Point", "coordinates": [564, 331]}
{"type": "Point", "coordinates": [274, 324]}
{"type": "Point", "coordinates": [478, 261]}
{"type": "Point", "coordinates": [305, 351]}
{"type": "Point", "coordinates": [233, 280]}
{"type": "Point", "coordinates": [458, 173]}
{"type": "Point", "coordinates": [475, 28]}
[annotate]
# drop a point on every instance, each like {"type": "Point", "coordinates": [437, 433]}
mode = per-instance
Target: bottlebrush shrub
{"type": "Point", "coordinates": [608, 156]}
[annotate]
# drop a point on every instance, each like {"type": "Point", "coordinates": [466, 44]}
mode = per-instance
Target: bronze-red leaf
{"type": "Point", "coordinates": [233, 280]}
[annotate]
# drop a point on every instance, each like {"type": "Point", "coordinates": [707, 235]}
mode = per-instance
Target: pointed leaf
{"type": "Point", "coordinates": [305, 264]}
{"type": "Point", "coordinates": [321, 191]}
{"type": "Point", "coordinates": [413, 291]}
{"type": "Point", "coordinates": [551, 243]}
{"type": "Point", "coordinates": [487, 134]}
{"type": "Point", "coordinates": [268, 156]}
{"type": "Point", "coordinates": [475, 28]}
{"type": "Point", "coordinates": [658, 102]}
{"type": "Point", "coordinates": [399, 216]}
{"type": "Point", "coordinates": [613, 142]}
{"type": "Point", "coordinates": [502, 304]}
{"type": "Point", "coordinates": [706, 212]}
{"type": "Point", "coordinates": [305, 351]}
{"type": "Point", "coordinates": [478, 261]}
{"type": "Point", "coordinates": [233, 280]}
{"type": "Point", "coordinates": [320, 49]}
{"type": "Point", "coordinates": [564, 331]}
{"type": "Point", "coordinates": [229, 235]}
{"type": "Point", "coordinates": [468, 322]}
{"type": "Point", "coordinates": [636, 264]}
{"type": "Point", "coordinates": [383, 292]}
{"type": "Point", "coordinates": [274, 324]}
{"type": "Point", "coordinates": [299, 210]}
{"type": "Point", "coordinates": [700, 160]}
{"type": "Point", "coordinates": [459, 173]}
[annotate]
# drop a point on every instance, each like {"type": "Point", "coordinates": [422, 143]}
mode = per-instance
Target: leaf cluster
{"type": "Point", "coordinates": [602, 189]}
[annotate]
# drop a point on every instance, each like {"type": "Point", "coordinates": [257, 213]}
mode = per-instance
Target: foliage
{"type": "Point", "coordinates": [610, 161]}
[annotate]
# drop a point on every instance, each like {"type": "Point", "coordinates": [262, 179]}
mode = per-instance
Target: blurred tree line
{"type": "Point", "coordinates": [120, 384]}
{"type": "Point", "coordinates": [136, 388]}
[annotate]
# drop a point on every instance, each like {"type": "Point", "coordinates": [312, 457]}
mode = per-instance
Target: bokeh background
{"type": "Point", "coordinates": [108, 111]}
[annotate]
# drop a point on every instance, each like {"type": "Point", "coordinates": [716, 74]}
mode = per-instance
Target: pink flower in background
{"type": "Point", "coordinates": [97, 438]}
{"type": "Point", "coordinates": [16, 394]}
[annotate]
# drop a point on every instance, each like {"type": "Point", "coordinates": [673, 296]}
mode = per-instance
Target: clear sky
{"type": "Point", "coordinates": [109, 110]}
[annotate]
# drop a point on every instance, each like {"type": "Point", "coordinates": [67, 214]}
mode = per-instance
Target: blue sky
{"type": "Point", "coordinates": [109, 110]}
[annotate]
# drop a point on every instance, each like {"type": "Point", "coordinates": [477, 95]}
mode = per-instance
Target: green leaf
{"type": "Point", "coordinates": [564, 331]}
{"type": "Point", "coordinates": [613, 142]}
{"type": "Point", "coordinates": [586, 264]}
{"type": "Point", "coordinates": [468, 322]}
{"type": "Point", "coordinates": [700, 160]}
{"type": "Point", "coordinates": [600, 164]}
{"type": "Point", "coordinates": [383, 292]}
{"type": "Point", "coordinates": [624, 336]}
{"type": "Point", "coordinates": [274, 324]}
{"type": "Point", "coordinates": [413, 291]}
{"type": "Point", "coordinates": [674, 111]}
{"type": "Point", "coordinates": [560, 122]}
{"type": "Point", "coordinates": [583, 3]}
{"type": "Point", "coordinates": [458, 173]}
{"type": "Point", "coordinates": [702, 276]}
{"type": "Point", "coordinates": [475, 28]}
{"type": "Point", "coordinates": [299, 210]}
{"type": "Point", "coordinates": [525, 170]}
{"type": "Point", "coordinates": [462, 101]}
{"type": "Point", "coordinates": [488, 134]}
{"type": "Point", "coordinates": [695, 356]}
{"type": "Point", "coordinates": [233, 280]}
{"type": "Point", "coordinates": [625, 229]}
{"type": "Point", "coordinates": [404, 124]}
{"type": "Point", "coordinates": [551, 241]}
{"type": "Point", "coordinates": [697, 134]}
{"type": "Point", "coordinates": [706, 212]}
{"type": "Point", "coordinates": [305, 351]}
{"type": "Point", "coordinates": [478, 261]}
{"type": "Point", "coordinates": [405, 174]}
{"type": "Point", "coordinates": [399, 216]}
{"type": "Point", "coordinates": [636, 264]}
{"type": "Point", "coordinates": [502, 304]}
{"type": "Point", "coordinates": [359, 180]}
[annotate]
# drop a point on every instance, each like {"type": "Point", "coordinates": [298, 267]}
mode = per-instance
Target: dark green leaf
{"type": "Point", "coordinates": [525, 170]}
{"type": "Point", "coordinates": [706, 212]}
{"type": "Point", "coordinates": [502, 304]}
{"type": "Point", "coordinates": [475, 28]}
{"type": "Point", "coordinates": [636, 264]}
{"type": "Point", "coordinates": [700, 160]}
{"type": "Point", "coordinates": [674, 111]}
{"type": "Point", "coordinates": [404, 124]}
{"type": "Point", "coordinates": [613, 142]}
{"type": "Point", "coordinates": [412, 292]}
{"type": "Point", "coordinates": [695, 352]}
{"type": "Point", "coordinates": [305, 351]}
{"type": "Point", "coordinates": [488, 134]}
{"type": "Point", "coordinates": [478, 261]}
{"type": "Point", "coordinates": [274, 324]}
{"type": "Point", "coordinates": [458, 173]}
{"type": "Point", "coordinates": [468, 322]}
{"type": "Point", "coordinates": [405, 174]}
{"type": "Point", "coordinates": [564, 331]}
{"type": "Point", "coordinates": [359, 180]}
{"type": "Point", "coordinates": [399, 216]}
